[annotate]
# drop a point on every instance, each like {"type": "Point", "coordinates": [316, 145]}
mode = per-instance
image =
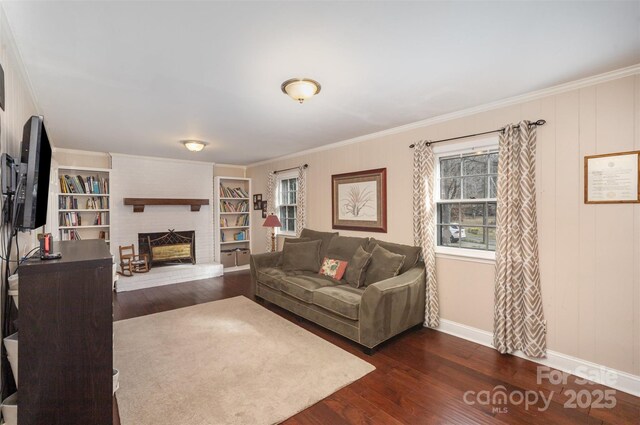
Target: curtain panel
{"type": "Point", "coordinates": [518, 317]}
{"type": "Point", "coordinates": [271, 204]}
{"type": "Point", "coordinates": [424, 224]}
{"type": "Point", "coordinates": [301, 200]}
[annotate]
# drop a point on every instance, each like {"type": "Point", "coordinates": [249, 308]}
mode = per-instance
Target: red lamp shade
{"type": "Point", "coordinates": [272, 221]}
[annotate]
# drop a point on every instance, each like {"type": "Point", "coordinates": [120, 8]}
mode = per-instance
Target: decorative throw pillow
{"type": "Point", "coordinates": [384, 265]}
{"type": "Point", "coordinates": [290, 240]}
{"type": "Point", "coordinates": [333, 268]}
{"type": "Point", "coordinates": [301, 256]}
{"type": "Point", "coordinates": [356, 268]}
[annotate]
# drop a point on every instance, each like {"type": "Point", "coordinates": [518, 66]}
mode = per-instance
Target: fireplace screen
{"type": "Point", "coordinates": [169, 247]}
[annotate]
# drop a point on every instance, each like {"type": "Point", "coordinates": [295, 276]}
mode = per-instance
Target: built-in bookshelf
{"type": "Point", "coordinates": [232, 218]}
{"type": "Point", "coordinates": [83, 203]}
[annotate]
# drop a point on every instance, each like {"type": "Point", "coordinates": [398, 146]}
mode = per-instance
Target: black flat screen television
{"type": "Point", "coordinates": [33, 184]}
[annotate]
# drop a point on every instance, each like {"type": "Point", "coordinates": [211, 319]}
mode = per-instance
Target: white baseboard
{"type": "Point", "coordinates": [585, 369]}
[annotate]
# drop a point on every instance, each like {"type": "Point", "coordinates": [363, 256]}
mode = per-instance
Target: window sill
{"type": "Point", "coordinates": [462, 254]}
{"type": "Point", "coordinates": [286, 234]}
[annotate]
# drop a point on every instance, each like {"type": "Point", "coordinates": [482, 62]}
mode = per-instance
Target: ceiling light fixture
{"type": "Point", "coordinates": [194, 145]}
{"type": "Point", "coordinates": [300, 89]}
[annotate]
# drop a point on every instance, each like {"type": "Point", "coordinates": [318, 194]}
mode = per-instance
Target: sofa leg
{"type": "Point", "coordinates": [369, 351]}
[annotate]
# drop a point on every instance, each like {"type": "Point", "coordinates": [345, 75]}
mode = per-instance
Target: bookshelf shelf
{"type": "Point", "coordinates": [84, 194]}
{"type": "Point", "coordinates": [89, 226]}
{"type": "Point", "coordinates": [81, 214]}
{"type": "Point", "coordinates": [230, 194]}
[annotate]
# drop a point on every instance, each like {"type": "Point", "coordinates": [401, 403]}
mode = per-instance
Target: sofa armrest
{"type": "Point", "coordinates": [259, 261]}
{"type": "Point", "coordinates": [392, 306]}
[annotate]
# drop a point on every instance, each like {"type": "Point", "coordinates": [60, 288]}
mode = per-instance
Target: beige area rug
{"type": "Point", "coordinates": [224, 362]}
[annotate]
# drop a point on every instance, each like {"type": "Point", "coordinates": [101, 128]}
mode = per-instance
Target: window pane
{"type": "Point", "coordinates": [291, 224]}
{"type": "Point", "coordinates": [293, 184]}
{"type": "Point", "coordinates": [474, 165]}
{"type": "Point", "coordinates": [491, 231]}
{"type": "Point", "coordinates": [450, 167]}
{"type": "Point", "coordinates": [491, 213]}
{"type": "Point", "coordinates": [473, 214]}
{"type": "Point", "coordinates": [493, 163]}
{"type": "Point", "coordinates": [282, 214]}
{"type": "Point", "coordinates": [475, 187]}
{"type": "Point", "coordinates": [473, 237]}
{"type": "Point", "coordinates": [292, 197]}
{"type": "Point", "coordinates": [450, 188]}
{"type": "Point", "coordinates": [291, 212]}
{"type": "Point", "coordinates": [284, 185]}
{"type": "Point", "coordinates": [448, 235]}
{"type": "Point", "coordinates": [449, 213]}
{"type": "Point", "coordinates": [493, 186]}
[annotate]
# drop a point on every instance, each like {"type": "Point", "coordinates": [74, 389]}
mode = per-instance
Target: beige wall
{"type": "Point", "coordinates": [589, 254]}
{"type": "Point", "coordinates": [19, 106]}
{"type": "Point", "coordinates": [226, 170]}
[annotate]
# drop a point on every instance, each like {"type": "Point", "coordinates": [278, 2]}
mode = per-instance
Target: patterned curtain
{"type": "Point", "coordinates": [518, 318]}
{"type": "Point", "coordinates": [301, 199]}
{"type": "Point", "coordinates": [424, 223]}
{"type": "Point", "coordinates": [271, 203]}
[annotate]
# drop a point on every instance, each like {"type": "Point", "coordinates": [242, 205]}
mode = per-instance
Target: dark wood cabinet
{"type": "Point", "coordinates": [66, 337]}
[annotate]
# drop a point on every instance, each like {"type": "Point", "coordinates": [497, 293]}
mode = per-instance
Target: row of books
{"type": "Point", "coordinates": [75, 219]}
{"type": "Point", "coordinates": [242, 220]}
{"type": "Point", "coordinates": [238, 192]}
{"type": "Point", "coordinates": [73, 203]}
{"type": "Point", "coordinates": [74, 235]}
{"type": "Point", "coordinates": [242, 235]}
{"type": "Point", "coordinates": [226, 206]}
{"type": "Point", "coordinates": [79, 184]}
{"type": "Point", "coordinates": [69, 235]}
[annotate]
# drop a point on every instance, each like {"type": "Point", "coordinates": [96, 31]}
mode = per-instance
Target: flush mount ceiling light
{"type": "Point", "coordinates": [194, 145]}
{"type": "Point", "coordinates": [300, 89]}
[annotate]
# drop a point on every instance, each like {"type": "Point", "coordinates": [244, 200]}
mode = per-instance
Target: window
{"type": "Point", "coordinates": [466, 201]}
{"type": "Point", "coordinates": [286, 204]}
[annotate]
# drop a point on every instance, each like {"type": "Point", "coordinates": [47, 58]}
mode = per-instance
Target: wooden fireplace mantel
{"type": "Point", "coordinates": [140, 203]}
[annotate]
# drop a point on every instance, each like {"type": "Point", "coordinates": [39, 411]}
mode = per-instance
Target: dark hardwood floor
{"type": "Point", "coordinates": [421, 376]}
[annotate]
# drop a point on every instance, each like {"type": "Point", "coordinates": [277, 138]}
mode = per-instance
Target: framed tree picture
{"type": "Point", "coordinates": [359, 200]}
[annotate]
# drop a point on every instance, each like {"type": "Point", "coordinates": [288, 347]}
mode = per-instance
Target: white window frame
{"type": "Point", "coordinates": [461, 148]}
{"type": "Point", "coordinates": [286, 175]}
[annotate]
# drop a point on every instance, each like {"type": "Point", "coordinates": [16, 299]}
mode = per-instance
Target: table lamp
{"type": "Point", "coordinates": [273, 222]}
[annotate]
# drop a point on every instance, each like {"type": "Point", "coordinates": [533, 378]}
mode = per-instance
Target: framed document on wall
{"type": "Point", "coordinates": [612, 178]}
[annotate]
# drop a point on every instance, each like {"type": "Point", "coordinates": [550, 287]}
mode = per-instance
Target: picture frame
{"type": "Point", "coordinates": [612, 178]}
{"type": "Point", "coordinates": [264, 208]}
{"type": "Point", "coordinates": [257, 201]}
{"type": "Point", "coordinates": [359, 200]}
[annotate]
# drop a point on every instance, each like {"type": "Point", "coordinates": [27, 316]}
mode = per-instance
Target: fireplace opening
{"type": "Point", "coordinates": [167, 248]}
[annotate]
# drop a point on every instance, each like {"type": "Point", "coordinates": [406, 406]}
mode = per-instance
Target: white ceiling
{"type": "Point", "coordinates": [136, 76]}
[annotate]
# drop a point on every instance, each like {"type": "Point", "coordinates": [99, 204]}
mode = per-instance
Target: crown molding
{"type": "Point", "coordinates": [560, 88]}
{"type": "Point", "coordinates": [79, 152]}
{"type": "Point", "coordinates": [158, 158]}
{"type": "Point", "coordinates": [242, 167]}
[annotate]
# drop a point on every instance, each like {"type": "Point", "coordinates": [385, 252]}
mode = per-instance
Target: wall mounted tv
{"type": "Point", "coordinates": [32, 195]}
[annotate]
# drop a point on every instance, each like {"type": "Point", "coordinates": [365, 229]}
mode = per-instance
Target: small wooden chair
{"type": "Point", "coordinates": [131, 263]}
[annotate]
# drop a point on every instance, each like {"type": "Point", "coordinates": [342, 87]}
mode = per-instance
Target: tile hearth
{"type": "Point", "coordinates": [167, 275]}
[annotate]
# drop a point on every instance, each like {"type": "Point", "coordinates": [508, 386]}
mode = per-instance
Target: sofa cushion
{"type": "Point", "coordinates": [411, 252]}
{"type": "Point", "coordinates": [342, 300]}
{"type": "Point", "coordinates": [357, 267]}
{"type": "Point", "coordinates": [302, 287]}
{"type": "Point", "coordinates": [291, 240]}
{"type": "Point", "coordinates": [302, 256]}
{"type": "Point", "coordinates": [325, 237]}
{"type": "Point", "coordinates": [271, 276]}
{"type": "Point", "coordinates": [343, 247]}
{"type": "Point", "coordinates": [384, 265]}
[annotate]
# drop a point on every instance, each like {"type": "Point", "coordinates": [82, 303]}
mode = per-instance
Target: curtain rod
{"type": "Point", "coordinates": [537, 123]}
{"type": "Point", "coordinates": [288, 169]}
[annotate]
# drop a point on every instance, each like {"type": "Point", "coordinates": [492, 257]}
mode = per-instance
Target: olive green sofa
{"type": "Point", "coordinates": [368, 315]}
